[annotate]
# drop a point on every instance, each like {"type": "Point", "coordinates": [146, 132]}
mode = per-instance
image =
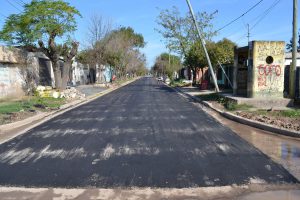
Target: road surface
{"type": "Point", "coordinates": [143, 135]}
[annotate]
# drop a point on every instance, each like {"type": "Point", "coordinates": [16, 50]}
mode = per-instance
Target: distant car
{"type": "Point", "coordinates": [160, 78]}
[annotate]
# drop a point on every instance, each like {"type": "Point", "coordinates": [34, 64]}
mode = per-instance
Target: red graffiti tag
{"type": "Point", "coordinates": [267, 70]}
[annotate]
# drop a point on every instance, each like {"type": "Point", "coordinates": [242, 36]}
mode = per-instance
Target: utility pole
{"type": "Point", "coordinates": [294, 54]}
{"type": "Point", "coordinates": [248, 35]}
{"type": "Point", "coordinates": [203, 45]}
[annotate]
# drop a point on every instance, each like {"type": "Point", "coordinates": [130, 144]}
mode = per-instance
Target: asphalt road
{"type": "Point", "coordinates": [143, 135]}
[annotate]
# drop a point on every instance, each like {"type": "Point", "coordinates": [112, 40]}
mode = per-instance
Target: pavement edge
{"type": "Point", "coordinates": [236, 118]}
{"type": "Point", "coordinates": [38, 119]}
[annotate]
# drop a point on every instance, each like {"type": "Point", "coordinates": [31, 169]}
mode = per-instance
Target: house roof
{"type": "Point", "coordinates": [288, 55]}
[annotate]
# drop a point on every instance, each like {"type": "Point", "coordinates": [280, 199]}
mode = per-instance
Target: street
{"type": "Point", "coordinates": [144, 135]}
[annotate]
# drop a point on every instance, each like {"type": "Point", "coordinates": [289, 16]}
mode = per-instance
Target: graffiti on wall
{"type": "Point", "coordinates": [269, 67]}
{"type": "Point", "coordinates": [266, 72]}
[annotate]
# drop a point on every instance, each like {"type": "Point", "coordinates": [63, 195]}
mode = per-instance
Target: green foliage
{"type": "Point", "coordinates": [227, 103]}
{"type": "Point", "coordinates": [10, 107]}
{"type": "Point", "coordinates": [222, 51]}
{"type": "Point", "coordinates": [167, 64]}
{"type": "Point", "coordinates": [135, 39]}
{"type": "Point", "coordinates": [295, 113]}
{"type": "Point", "coordinates": [119, 49]}
{"type": "Point", "coordinates": [29, 104]}
{"type": "Point", "coordinates": [39, 20]}
{"type": "Point", "coordinates": [178, 83]}
{"type": "Point", "coordinates": [289, 46]}
{"type": "Point", "coordinates": [179, 31]}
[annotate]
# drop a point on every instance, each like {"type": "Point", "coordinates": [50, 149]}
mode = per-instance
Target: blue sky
{"type": "Point", "coordinates": [142, 15]}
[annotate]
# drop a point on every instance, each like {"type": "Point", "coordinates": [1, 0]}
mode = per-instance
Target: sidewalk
{"type": "Point", "coordinates": [194, 92]}
{"type": "Point", "coordinates": [90, 90]}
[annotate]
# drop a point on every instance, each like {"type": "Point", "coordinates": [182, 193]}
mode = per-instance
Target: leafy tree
{"type": "Point", "coordinates": [167, 64]}
{"type": "Point", "coordinates": [222, 51]}
{"type": "Point", "coordinates": [42, 22]}
{"type": "Point", "coordinates": [179, 30]}
{"type": "Point", "coordinates": [289, 46]}
{"type": "Point", "coordinates": [118, 48]}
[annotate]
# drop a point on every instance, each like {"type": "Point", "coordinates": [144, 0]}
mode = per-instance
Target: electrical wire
{"type": "Point", "coordinates": [3, 15]}
{"type": "Point", "coordinates": [20, 3]}
{"type": "Point", "coordinates": [265, 13]}
{"type": "Point", "coordinates": [13, 5]}
{"type": "Point", "coordinates": [240, 16]}
{"type": "Point", "coordinates": [260, 17]}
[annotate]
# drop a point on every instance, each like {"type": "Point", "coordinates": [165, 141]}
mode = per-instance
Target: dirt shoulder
{"type": "Point", "coordinates": [275, 118]}
{"type": "Point", "coordinates": [288, 118]}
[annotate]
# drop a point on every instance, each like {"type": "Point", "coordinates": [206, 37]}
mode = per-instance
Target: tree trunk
{"type": "Point", "coordinates": [65, 75]}
{"type": "Point", "coordinates": [202, 75]}
{"type": "Point", "coordinates": [194, 76]}
{"type": "Point", "coordinates": [57, 74]}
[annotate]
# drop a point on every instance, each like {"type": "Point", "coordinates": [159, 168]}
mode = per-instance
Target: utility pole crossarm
{"type": "Point", "coordinates": [203, 45]}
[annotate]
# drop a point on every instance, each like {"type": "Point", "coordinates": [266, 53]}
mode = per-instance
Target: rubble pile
{"type": "Point", "coordinates": [72, 93]}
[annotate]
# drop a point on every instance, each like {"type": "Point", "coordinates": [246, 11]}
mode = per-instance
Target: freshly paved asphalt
{"type": "Point", "coordinates": [143, 135]}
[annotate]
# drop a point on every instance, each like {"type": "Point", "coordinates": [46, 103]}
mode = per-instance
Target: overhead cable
{"type": "Point", "coordinates": [240, 16]}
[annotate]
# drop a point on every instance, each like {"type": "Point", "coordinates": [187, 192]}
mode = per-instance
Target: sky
{"type": "Point", "coordinates": [266, 22]}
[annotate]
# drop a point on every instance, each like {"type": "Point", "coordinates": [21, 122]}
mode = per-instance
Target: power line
{"type": "Point", "coordinates": [259, 18]}
{"type": "Point", "coordinates": [3, 15]}
{"type": "Point", "coordinates": [13, 5]}
{"type": "Point", "coordinates": [20, 3]}
{"type": "Point", "coordinates": [240, 16]}
{"type": "Point", "coordinates": [23, 2]}
{"type": "Point", "coordinates": [265, 13]}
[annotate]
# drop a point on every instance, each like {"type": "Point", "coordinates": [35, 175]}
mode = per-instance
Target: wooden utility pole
{"type": "Point", "coordinates": [203, 45]}
{"type": "Point", "coordinates": [292, 75]}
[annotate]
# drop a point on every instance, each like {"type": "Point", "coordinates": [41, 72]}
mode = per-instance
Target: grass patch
{"type": "Point", "coordinates": [228, 104]}
{"type": "Point", "coordinates": [210, 97]}
{"type": "Point", "coordinates": [178, 83]}
{"type": "Point", "coordinates": [231, 106]}
{"type": "Point", "coordinates": [10, 107]}
{"type": "Point", "coordinates": [30, 103]}
{"type": "Point", "coordinates": [293, 113]}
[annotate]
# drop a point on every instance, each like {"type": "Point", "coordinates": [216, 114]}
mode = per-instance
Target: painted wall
{"type": "Point", "coordinates": [267, 75]}
{"type": "Point", "coordinates": [79, 74]}
{"type": "Point", "coordinates": [10, 81]}
{"type": "Point", "coordinates": [11, 55]}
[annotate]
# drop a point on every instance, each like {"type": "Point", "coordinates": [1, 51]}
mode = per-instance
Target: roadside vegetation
{"type": "Point", "coordinates": [179, 83]}
{"type": "Point", "coordinates": [288, 118]}
{"type": "Point", "coordinates": [180, 35]}
{"type": "Point", "coordinates": [13, 110]}
{"type": "Point", "coordinates": [223, 102]}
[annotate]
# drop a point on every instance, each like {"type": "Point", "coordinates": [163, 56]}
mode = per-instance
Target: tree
{"type": "Point", "coordinates": [98, 29]}
{"type": "Point", "coordinates": [179, 30]}
{"type": "Point", "coordinates": [220, 52]}
{"type": "Point", "coordinates": [166, 64]}
{"type": "Point", "coordinates": [120, 45]}
{"type": "Point", "coordinates": [42, 22]}
{"type": "Point", "coordinates": [117, 48]}
{"type": "Point", "coordinates": [289, 46]}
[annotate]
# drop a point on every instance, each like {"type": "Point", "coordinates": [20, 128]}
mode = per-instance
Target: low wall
{"type": "Point", "coordinates": [10, 81]}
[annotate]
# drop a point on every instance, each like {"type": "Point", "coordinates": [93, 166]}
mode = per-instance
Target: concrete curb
{"type": "Point", "coordinates": [249, 122]}
{"type": "Point", "coordinates": [45, 116]}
